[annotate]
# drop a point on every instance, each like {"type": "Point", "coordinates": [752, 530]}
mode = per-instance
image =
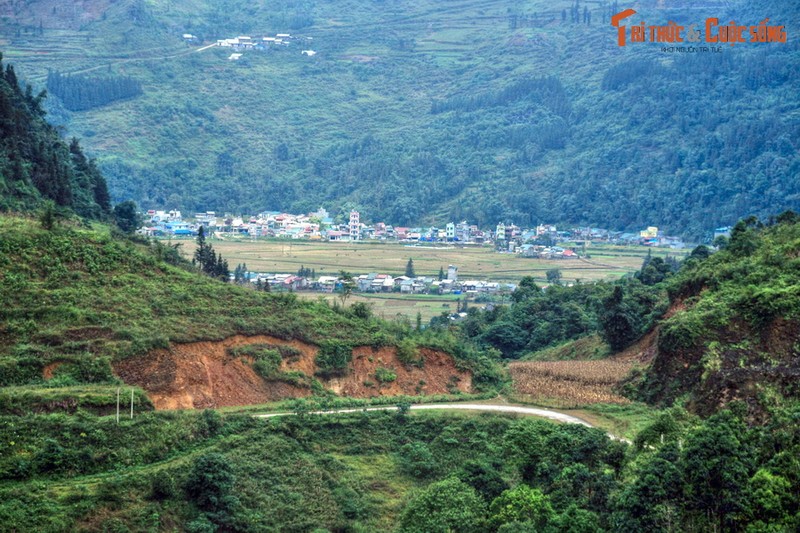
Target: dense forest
{"type": "Point", "coordinates": [79, 93]}
{"type": "Point", "coordinates": [36, 164]}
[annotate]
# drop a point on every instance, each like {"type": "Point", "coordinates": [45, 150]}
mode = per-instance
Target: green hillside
{"type": "Point", "coordinates": [36, 165]}
{"type": "Point", "coordinates": [415, 111]}
{"type": "Point", "coordinates": [83, 299]}
{"type": "Point", "coordinates": [737, 333]}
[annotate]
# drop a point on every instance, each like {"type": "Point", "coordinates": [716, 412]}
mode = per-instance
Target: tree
{"type": "Point", "coordinates": [441, 273]}
{"type": "Point", "coordinates": [348, 286]}
{"type": "Point", "coordinates": [410, 269]}
{"type": "Point", "coordinates": [333, 358]}
{"type": "Point", "coordinates": [47, 218]}
{"type": "Point", "coordinates": [527, 288]}
{"type": "Point", "coordinates": [617, 322]}
{"type": "Point", "coordinates": [484, 478]}
{"type": "Point", "coordinates": [126, 216]}
{"type": "Point", "coordinates": [522, 504]}
{"type": "Point", "coordinates": [210, 487]}
{"type": "Point", "coordinates": [717, 462]}
{"type": "Point", "coordinates": [554, 276]}
{"type": "Point", "coordinates": [208, 261]}
{"type": "Point", "coordinates": [443, 507]}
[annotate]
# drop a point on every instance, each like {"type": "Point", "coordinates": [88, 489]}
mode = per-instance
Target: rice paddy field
{"type": "Point", "coordinates": [473, 262]}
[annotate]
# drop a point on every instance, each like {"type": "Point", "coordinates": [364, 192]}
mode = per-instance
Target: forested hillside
{"type": "Point", "coordinates": [36, 165]}
{"type": "Point", "coordinates": [737, 334]}
{"type": "Point", "coordinates": [417, 112]}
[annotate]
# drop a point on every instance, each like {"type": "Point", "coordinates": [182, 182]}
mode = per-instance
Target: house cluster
{"type": "Point", "coordinates": [243, 43]}
{"type": "Point", "coordinates": [383, 283]}
{"type": "Point", "coordinates": [538, 242]}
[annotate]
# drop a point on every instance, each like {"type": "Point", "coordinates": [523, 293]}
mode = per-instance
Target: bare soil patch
{"type": "Point", "coordinates": [203, 375]}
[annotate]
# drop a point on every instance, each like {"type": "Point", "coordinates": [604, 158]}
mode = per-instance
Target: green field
{"type": "Point", "coordinates": [329, 258]}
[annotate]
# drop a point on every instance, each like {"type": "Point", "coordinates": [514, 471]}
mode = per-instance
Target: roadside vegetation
{"type": "Point", "coordinates": [384, 471]}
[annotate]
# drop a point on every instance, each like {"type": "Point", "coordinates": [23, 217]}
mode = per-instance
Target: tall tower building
{"type": "Point", "coordinates": [355, 226]}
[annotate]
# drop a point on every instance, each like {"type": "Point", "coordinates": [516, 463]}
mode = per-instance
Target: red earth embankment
{"type": "Point", "coordinates": [204, 375]}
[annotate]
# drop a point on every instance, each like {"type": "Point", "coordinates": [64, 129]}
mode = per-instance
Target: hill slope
{"type": "Point", "coordinates": [83, 307]}
{"type": "Point", "coordinates": [738, 334]}
{"type": "Point", "coordinates": [36, 164]}
{"type": "Point", "coordinates": [419, 111]}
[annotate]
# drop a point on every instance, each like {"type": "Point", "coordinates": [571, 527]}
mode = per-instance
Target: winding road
{"type": "Point", "coordinates": [515, 409]}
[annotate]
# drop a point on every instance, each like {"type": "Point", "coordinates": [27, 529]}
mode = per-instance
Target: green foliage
{"type": "Point", "coordinates": [618, 321]}
{"type": "Point", "coordinates": [266, 357]}
{"type": "Point", "coordinates": [210, 487]}
{"type": "Point", "coordinates": [126, 216]}
{"type": "Point", "coordinates": [333, 358]}
{"type": "Point", "coordinates": [448, 505]}
{"type": "Point", "coordinates": [522, 504]}
{"type": "Point", "coordinates": [410, 269]}
{"type": "Point", "coordinates": [385, 375]}
{"type": "Point", "coordinates": [538, 319]}
{"type": "Point", "coordinates": [417, 460]}
{"type": "Point", "coordinates": [730, 303]}
{"type": "Point", "coordinates": [79, 93]}
{"type": "Point", "coordinates": [408, 352]}
{"type": "Point", "coordinates": [36, 165]}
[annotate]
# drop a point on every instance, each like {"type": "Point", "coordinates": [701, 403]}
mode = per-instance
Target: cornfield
{"type": "Point", "coordinates": [572, 383]}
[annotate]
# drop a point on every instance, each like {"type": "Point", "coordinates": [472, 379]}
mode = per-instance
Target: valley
{"type": "Point", "coordinates": [447, 361]}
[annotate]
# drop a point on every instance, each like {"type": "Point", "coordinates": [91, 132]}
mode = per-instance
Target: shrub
{"type": "Point", "coordinates": [417, 460]}
{"type": "Point", "coordinates": [385, 375]}
{"type": "Point", "coordinates": [162, 486]}
{"type": "Point", "coordinates": [333, 358]}
{"type": "Point", "coordinates": [408, 353]}
{"type": "Point", "coordinates": [448, 505]}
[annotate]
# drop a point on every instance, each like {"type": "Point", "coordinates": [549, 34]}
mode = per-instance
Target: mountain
{"type": "Point", "coordinates": [417, 112]}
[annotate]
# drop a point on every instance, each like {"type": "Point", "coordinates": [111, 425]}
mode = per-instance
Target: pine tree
{"type": "Point", "coordinates": [441, 273]}
{"type": "Point", "coordinates": [410, 269]}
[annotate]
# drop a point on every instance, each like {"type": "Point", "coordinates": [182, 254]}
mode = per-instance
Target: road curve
{"type": "Point", "coordinates": [515, 409]}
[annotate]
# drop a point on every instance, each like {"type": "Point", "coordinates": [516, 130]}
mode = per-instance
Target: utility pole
{"type": "Point", "coordinates": [131, 404]}
{"type": "Point", "coordinates": [117, 405]}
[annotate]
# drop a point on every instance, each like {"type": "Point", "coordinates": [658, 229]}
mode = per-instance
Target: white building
{"type": "Point", "coordinates": [500, 232]}
{"type": "Point", "coordinates": [355, 226]}
{"type": "Point", "coordinates": [452, 273]}
{"type": "Point", "coordinates": [450, 231]}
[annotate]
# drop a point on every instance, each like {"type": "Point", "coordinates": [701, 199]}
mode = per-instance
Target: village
{"type": "Point", "coordinates": [242, 43]}
{"type": "Point", "coordinates": [540, 241]}
{"type": "Point", "coordinates": [544, 241]}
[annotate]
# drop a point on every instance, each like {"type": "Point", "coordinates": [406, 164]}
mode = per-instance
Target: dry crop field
{"type": "Point", "coordinates": [570, 384]}
{"type": "Point", "coordinates": [474, 262]}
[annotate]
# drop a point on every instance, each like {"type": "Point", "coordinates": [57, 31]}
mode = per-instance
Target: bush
{"type": "Point", "coordinates": [162, 487]}
{"type": "Point", "coordinates": [385, 375]}
{"type": "Point", "coordinates": [417, 460]}
{"type": "Point", "coordinates": [448, 505]}
{"type": "Point", "coordinates": [333, 358]}
{"type": "Point", "coordinates": [408, 353]}
{"type": "Point", "coordinates": [209, 486]}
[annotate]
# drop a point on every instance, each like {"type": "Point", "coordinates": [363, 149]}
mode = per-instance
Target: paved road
{"type": "Point", "coordinates": [530, 411]}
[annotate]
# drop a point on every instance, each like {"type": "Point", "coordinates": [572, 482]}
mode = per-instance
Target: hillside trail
{"type": "Point", "coordinates": [496, 408]}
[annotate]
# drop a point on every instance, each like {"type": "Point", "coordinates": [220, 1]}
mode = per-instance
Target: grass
{"type": "Point", "coordinates": [473, 262]}
{"type": "Point", "coordinates": [79, 298]}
